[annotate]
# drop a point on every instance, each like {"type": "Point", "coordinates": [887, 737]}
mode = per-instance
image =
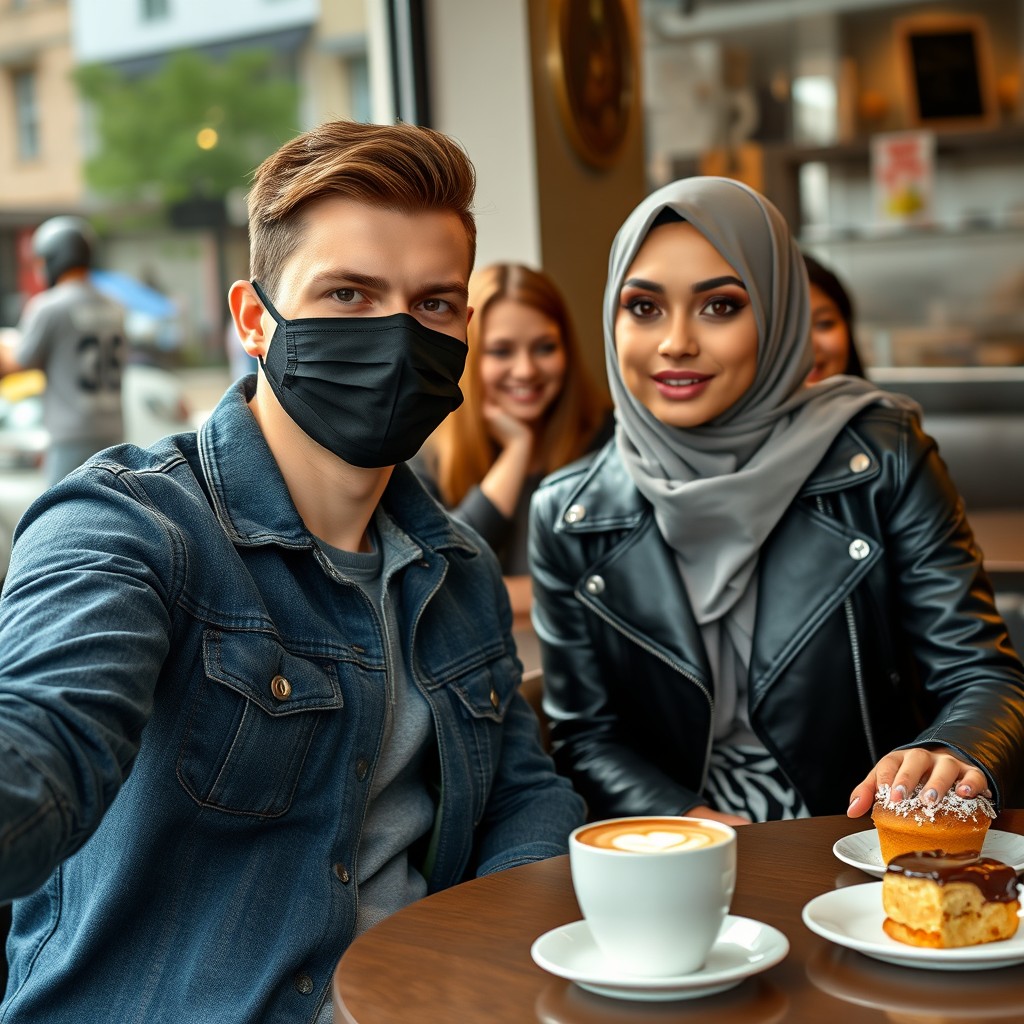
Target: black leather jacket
{"type": "Point", "coordinates": [875, 630]}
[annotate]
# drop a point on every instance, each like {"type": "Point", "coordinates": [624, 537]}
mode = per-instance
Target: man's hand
{"type": "Point", "coordinates": [8, 364]}
{"type": "Point", "coordinates": [938, 770]}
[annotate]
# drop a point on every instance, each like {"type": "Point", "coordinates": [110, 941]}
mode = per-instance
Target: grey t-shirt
{"type": "Point", "coordinates": [400, 811]}
{"type": "Point", "coordinates": [76, 335]}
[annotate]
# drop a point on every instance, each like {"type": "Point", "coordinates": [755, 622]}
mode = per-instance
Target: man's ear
{"type": "Point", "coordinates": [469, 314]}
{"type": "Point", "coordinates": [250, 320]}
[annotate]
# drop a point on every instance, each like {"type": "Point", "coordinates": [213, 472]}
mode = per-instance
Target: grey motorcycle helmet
{"type": "Point", "coordinates": [63, 243]}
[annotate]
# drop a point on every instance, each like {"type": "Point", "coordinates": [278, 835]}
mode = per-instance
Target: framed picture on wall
{"type": "Point", "coordinates": [947, 71]}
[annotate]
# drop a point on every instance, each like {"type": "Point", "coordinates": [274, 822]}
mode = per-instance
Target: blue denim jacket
{"type": "Point", "coordinates": [179, 828]}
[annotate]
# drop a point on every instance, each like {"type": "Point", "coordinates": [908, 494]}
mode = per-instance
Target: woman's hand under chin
{"type": "Point", "coordinates": [506, 430]}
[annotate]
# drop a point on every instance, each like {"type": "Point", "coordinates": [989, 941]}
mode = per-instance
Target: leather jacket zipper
{"type": "Point", "coordinates": [858, 670]}
{"type": "Point", "coordinates": [640, 642]}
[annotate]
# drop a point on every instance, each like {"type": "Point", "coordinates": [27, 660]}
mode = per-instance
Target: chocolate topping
{"type": "Point", "coordinates": [996, 880]}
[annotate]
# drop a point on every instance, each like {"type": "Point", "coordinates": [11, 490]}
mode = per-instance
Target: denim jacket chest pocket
{"type": "Point", "coordinates": [251, 723]}
{"type": "Point", "coordinates": [479, 695]}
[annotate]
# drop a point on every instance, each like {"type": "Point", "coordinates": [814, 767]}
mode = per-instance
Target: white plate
{"type": "Point", "coordinates": [744, 947]}
{"type": "Point", "coordinates": [860, 850]}
{"type": "Point", "coordinates": [853, 916]}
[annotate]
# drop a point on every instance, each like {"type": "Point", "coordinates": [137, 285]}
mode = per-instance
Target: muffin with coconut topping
{"type": "Point", "coordinates": [954, 824]}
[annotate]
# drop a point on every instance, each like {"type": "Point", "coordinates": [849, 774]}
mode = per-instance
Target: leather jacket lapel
{"type": "Point", "coordinates": [809, 566]}
{"type": "Point", "coordinates": [657, 614]}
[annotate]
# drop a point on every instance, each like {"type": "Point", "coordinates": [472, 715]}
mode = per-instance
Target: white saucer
{"type": "Point", "coordinates": [860, 850]}
{"type": "Point", "coordinates": [744, 947]}
{"type": "Point", "coordinates": [853, 916]}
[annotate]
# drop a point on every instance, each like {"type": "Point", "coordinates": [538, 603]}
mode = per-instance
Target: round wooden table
{"type": "Point", "coordinates": [463, 956]}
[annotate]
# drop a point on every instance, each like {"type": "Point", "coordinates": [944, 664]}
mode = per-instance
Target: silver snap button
{"type": "Point", "coordinates": [860, 462]}
{"type": "Point", "coordinates": [575, 513]}
{"type": "Point", "coordinates": [342, 873]}
{"type": "Point", "coordinates": [303, 984]}
{"type": "Point", "coordinates": [859, 549]}
{"type": "Point", "coordinates": [594, 585]}
{"type": "Point", "coordinates": [280, 687]}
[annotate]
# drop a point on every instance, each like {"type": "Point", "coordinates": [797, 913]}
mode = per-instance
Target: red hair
{"type": "Point", "coordinates": [462, 448]}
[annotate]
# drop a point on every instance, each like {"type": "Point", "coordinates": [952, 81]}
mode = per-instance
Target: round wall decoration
{"type": "Point", "coordinates": [592, 67]}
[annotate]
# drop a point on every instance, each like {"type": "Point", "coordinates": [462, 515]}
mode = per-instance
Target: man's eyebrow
{"type": "Point", "coordinates": [447, 288]}
{"type": "Point", "coordinates": [352, 277]}
{"type": "Point", "coordinates": [380, 284]}
{"type": "Point", "coordinates": [716, 282]}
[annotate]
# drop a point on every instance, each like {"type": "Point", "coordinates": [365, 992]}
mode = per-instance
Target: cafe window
{"type": "Point", "coordinates": [26, 114]}
{"type": "Point", "coordinates": [154, 10]}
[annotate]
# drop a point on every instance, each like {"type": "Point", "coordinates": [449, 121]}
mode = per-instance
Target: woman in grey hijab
{"type": "Point", "coordinates": [762, 599]}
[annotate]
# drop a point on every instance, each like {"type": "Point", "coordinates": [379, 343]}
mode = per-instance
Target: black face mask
{"type": "Point", "coordinates": [369, 389]}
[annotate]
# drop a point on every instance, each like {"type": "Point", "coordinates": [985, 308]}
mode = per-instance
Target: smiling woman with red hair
{"type": "Point", "coordinates": [530, 408]}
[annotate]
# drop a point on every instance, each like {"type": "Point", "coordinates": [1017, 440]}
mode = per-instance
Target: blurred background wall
{"type": "Point", "coordinates": [571, 110]}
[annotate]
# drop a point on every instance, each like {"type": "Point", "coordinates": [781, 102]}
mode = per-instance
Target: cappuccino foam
{"type": "Point", "coordinates": [651, 835]}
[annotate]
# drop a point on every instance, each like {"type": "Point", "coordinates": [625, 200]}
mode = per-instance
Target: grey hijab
{"type": "Point", "coordinates": [718, 490]}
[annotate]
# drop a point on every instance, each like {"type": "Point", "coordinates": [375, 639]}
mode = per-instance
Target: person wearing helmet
{"type": "Point", "coordinates": [76, 336]}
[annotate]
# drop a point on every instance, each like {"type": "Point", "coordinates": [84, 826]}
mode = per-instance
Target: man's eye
{"type": "Point", "coordinates": [346, 294]}
{"type": "Point", "coordinates": [436, 306]}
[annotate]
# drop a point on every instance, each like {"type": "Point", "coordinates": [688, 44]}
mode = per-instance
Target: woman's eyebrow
{"type": "Point", "coordinates": [716, 282]}
{"type": "Point", "coordinates": [647, 286]}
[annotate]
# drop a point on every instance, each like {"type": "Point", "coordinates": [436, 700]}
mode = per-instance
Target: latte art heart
{"type": "Point", "coordinates": [659, 842]}
{"type": "Point", "coordinates": [652, 835]}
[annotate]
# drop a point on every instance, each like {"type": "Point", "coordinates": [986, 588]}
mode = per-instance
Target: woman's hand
{"type": "Point", "coordinates": [505, 429]}
{"type": "Point", "coordinates": [703, 811]}
{"type": "Point", "coordinates": [938, 769]}
{"type": "Point", "coordinates": [504, 480]}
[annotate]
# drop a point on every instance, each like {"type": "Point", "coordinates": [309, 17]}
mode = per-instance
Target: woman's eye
{"type": "Point", "coordinates": [721, 306]}
{"type": "Point", "coordinates": [642, 307]}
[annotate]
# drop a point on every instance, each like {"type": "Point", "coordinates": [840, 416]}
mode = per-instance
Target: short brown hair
{"type": "Point", "coordinates": [399, 167]}
{"type": "Point", "coordinates": [461, 449]}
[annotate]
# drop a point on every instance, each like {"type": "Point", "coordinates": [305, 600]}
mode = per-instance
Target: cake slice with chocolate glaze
{"type": "Point", "coordinates": [943, 900]}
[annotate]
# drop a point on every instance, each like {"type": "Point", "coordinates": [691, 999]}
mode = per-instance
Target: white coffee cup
{"type": "Point", "coordinates": [654, 891]}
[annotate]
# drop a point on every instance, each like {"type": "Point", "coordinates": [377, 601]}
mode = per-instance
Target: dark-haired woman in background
{"type": "Point", "coordinates": [832, 317]}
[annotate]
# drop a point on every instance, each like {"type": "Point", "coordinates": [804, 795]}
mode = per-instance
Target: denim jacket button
{"type": "Point", "coordinates": [342, 872]}
{"type": "Point", "coordinates": [495, 699]}
{"type": "Point", "coordinates": [280, 687]}
{"type": "Point", "coordinates": [303, 984]}
{"type": "Point", "coordinates": [362, 767]}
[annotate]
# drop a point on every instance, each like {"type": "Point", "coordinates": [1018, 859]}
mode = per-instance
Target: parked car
{"type": "Point", "coordinates": [154, 405]}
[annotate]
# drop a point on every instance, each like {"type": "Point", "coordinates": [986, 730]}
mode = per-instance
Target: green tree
{"type": "Point", "coordinates": [152, 131]}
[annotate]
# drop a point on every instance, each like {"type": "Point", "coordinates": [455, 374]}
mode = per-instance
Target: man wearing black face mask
{"type": "Point", "coordinates": [259, 690]}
